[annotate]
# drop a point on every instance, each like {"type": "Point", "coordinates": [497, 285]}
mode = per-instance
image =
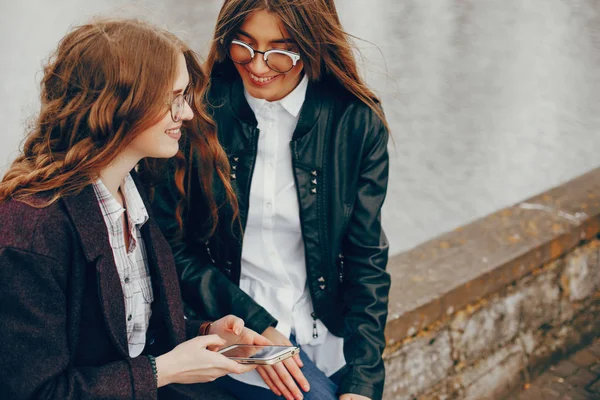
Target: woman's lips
{"type": "Point", "coordinates": [262, 81]}
{"type": "Point", "coordinates": [174, 133]}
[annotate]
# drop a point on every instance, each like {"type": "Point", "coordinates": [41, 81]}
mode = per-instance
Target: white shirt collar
{"type": "Point", "coordinates": [292, 103]}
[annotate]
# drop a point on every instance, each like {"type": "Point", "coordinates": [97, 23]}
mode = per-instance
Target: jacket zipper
{"type": "Point", "coordinates": [315, 332]}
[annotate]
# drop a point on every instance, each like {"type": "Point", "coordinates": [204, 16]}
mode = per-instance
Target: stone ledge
{"type": "Point", "coordinates": [460, 268]}
{"type": "Point", "coordinates": [490, 347]}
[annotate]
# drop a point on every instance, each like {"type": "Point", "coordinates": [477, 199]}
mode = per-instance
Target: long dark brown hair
{"type": "Point", "coordinates": [107, 82]}
{"type": "Point", "coordinates": [325, 48]}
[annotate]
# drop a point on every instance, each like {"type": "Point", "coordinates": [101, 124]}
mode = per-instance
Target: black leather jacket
{"type": "Point", "coordinates": [340, 164]}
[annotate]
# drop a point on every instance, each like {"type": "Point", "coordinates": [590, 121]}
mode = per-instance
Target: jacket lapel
{"type": "Point", "coordinates": [88, 221]}
{"type": "Point", "coordinates": [160, 261]}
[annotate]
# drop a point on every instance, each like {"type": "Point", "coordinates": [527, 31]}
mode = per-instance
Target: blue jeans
{"type": "Point", "coordinates": [321, 386]}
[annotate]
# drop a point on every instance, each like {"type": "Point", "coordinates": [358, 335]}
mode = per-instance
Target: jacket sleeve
{"type": "Point", "coordinates": [366, 281]}
{"type": "Point", "coordinates": [206, 291]}
{"type": "Point", "coordinates": [35, 359]}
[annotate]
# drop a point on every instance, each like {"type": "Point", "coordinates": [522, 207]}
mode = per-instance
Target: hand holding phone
{"type": "Point", "coordinates": [261, 355]}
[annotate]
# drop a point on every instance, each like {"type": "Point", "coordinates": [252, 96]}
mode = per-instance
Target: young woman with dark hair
{"type": "Point", "coordinates": [90, 303]}
{"type": "Point", "coordinates": [307, 144]}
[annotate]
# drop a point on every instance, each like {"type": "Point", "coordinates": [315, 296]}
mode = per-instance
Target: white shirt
{"type": "Point", "coordinates": [273, 263]}
{"type": "Point", "coordinates": [132, 262]}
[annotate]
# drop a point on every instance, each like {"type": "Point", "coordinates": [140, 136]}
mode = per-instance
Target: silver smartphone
{"type": "Point", "coordinates": [263, 355]}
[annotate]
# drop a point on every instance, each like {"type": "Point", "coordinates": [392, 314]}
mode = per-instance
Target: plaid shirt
{"type": "Point", "coordinates": [132, 263]}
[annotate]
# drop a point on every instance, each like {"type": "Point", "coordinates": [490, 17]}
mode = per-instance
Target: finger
{"type": "Point", "coordinates": [287, 379]}
{"type": "Point", "coordinates": [268, 381]}
{"type": "Point", "coordinates": [298, 360]}
{"type": "Point", "coordinates": [234, 367]}
{"type": "Point", "coordinates": [243, 368]}
{"type": "Point", "coordinates": [277, 380]}
{"type": "Point", "coordinates": [260, 340]}
{"type": "Point", "coordinates": [209, 340]}
{"type": "Point", "coordinates": [297, 374]}
{"type": "Point", "coordinates": [234, 324]}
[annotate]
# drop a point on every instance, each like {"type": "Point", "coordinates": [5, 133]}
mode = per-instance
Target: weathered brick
{"type": "Point", "coordinates": [476, 335]}
{"type": "Point", "coordinates": [418, 365]}
{"type": "Point", "coordinates": [567, 310]}
{"type": "Point", "coordinates": [581, 277]}
{"type": "Point", "coordinates": [587, 322]}
{"type": "Point", "coordinates": [529, 341]}
{"type": "Point", "coordinates": [552, 346]}
{"type": "Point", "coordinates": [541, 300]}
{"type": "Point", "coordinates": [498, 374]}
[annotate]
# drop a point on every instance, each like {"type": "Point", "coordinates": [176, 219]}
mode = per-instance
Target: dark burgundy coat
{"type": "Point", "coordinates": [62, 314]}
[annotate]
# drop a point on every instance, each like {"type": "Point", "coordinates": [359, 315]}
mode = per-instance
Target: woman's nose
{"type": "Point", "coordinates": [258, 65]}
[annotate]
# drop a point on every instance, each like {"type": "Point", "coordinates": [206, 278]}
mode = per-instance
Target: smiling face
{"type": "Point", "coordinates": [264, 31]}
{"type": "Point", "coordinates": [161, 140]}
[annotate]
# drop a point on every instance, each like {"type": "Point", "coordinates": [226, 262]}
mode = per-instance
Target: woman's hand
{"type": "Point", "coordinates": [352, 396]}
{"type": "Point", "coordinates": [192, 362]}
{"type": "Point", "coordinates": [232, 330]}
{"type": "Point", "coordinates": [282, 377]}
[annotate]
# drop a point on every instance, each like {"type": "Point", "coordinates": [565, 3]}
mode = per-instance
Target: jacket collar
{"type": "Point", "coordinates": [88, 221]}
{"type": "Point", "coordinates": [309, 112]}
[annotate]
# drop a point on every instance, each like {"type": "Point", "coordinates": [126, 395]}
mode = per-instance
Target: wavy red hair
{"type": "Point", "coordinates": [108, 81]}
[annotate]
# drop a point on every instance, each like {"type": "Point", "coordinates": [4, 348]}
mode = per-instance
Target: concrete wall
{"type": "Point", "coordinates": [489, 101]}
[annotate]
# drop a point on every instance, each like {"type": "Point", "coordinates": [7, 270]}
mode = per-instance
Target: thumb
{"type": "Point", "coordinates": [209, 340]}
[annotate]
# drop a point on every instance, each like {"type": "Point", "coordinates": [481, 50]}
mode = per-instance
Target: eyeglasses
{"type": "Point", "coordinates": [178, 104]}
{"type": "Point", "coordinates": [278, 60]}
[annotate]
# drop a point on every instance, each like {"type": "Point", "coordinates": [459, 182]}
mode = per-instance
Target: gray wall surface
{"type": "Point", "coordinates": [489, 101]}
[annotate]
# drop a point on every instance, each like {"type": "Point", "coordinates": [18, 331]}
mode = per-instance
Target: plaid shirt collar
{"type": "Point", "coordinates": [136, 210]}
